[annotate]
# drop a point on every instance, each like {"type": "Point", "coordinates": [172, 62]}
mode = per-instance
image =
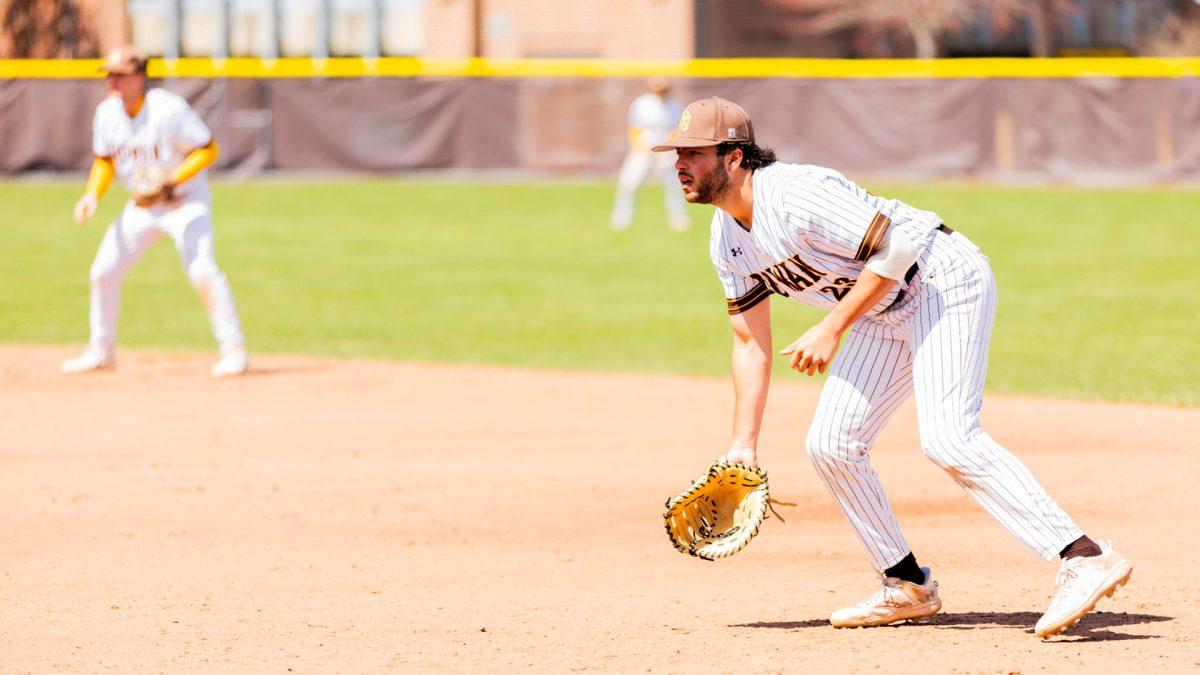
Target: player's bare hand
{"type": "Point", "coordinates": [747, 456]}
{"type": "Point", "coordinates": [85, 208]}
{"type": "Point", "coordinates": [814, 351]}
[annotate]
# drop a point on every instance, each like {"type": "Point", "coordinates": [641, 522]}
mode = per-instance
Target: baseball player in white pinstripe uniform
{"type": "Point", "coordinates": [915, 302]}
{"type": "Point", "coordinates": [159, 148]}
{"type": "Point", "coordinates": [652, 117]}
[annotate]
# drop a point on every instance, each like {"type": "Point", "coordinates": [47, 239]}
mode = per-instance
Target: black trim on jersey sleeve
{"type": "Point", "coordinates": [873, 238]}
{"type": "Point", "coordinates": [751, 298]}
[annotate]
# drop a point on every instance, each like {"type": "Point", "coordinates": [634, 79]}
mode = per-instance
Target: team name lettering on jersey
{"type": "Point", "coordinates": [796, 275]}
{"type": "Point", "coordinates": [138, 153]}
{"type": "Point", "coordinates": [781, 276]}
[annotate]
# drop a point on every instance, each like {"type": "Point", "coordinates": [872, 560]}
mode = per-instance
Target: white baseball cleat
{"type": "Point", "coordinates": [898, 600]}
{"type": "Point", "coordinates": [234, 361]}
{"type": "Point", "coordinates": [92, 358]}
{"type": "Point", "coordinates": [1081, 583]}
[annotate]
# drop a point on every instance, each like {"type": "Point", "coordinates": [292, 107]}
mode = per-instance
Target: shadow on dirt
{"type": "Point", "coordinates": [257, 370]}
{"type": "Point", "coordinates": [1093, 628]}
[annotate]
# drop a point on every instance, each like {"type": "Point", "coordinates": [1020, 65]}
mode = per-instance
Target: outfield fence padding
{"type": "Point", "coordinates": [1095, 124]}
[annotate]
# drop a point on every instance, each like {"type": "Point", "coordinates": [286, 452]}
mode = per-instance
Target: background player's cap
{"type": "Point", "coordinates": [710, 121]}
{"type": "Point", "coordinates": [124, 61]}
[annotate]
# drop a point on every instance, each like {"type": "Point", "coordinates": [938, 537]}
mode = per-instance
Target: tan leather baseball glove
{"type": "Point", "coordinates": [721, 512]}
{"type": "Point", "coordinates": [150, 186]}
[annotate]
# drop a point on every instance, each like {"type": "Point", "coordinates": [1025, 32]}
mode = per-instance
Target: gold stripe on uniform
{"type": "Point", "coordinates": [751, 298]}
{"type": "Point", "coordinates": [873, 237]}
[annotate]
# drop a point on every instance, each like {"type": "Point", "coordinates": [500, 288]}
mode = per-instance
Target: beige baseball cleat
{"type": "Point", "coordinates": [92, 358]}
{"type": "Point", "coordinates": [234, 361]}
{"type": "Point", "coordinates": [1081, 583]}
{"type": "Point", "coordinates": [898, 600]}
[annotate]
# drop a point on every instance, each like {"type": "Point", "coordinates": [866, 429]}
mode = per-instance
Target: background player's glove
{"type": "Point", "coordinates": [150, 186]}
{"type": "Point", "coordinates": [721, 512]}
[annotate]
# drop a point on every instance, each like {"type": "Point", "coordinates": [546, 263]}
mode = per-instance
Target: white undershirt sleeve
{"type": "Point", "coordinates": [894, 257]}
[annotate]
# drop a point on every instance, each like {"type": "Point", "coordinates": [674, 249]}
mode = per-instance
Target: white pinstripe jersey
{"type": "Point", "coordinates": [812, 233]}
{"type": "Point", "coordinates": [161, 135]}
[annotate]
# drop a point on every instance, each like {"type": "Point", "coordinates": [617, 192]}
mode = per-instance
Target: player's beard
{"type": "Point", "coordinates": [710, 188]}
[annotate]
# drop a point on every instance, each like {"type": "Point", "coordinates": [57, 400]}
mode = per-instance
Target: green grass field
{"type": "Point", "coordinates": [1097, 287]}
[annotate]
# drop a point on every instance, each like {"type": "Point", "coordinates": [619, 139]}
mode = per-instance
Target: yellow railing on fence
{"type": "Point", "coordinates": [565, 68]}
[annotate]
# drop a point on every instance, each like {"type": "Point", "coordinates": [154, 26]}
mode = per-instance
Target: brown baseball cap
{"type": "Point", "coordinates": [124, 61]}
{"type": "Point", "coordinates": [710, 121]}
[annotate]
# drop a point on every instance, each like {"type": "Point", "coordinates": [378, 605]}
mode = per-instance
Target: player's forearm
{"type": "Point", "coordinates": [866, 293]}
{"type": "Point", "coordinates": [751, 380]}
{"type": "Point", "coordinates": [751, 363]}
{"type": "Point", "coordinates": [196, 161]}
{"type": "Point", "coordinates": [101, 176]}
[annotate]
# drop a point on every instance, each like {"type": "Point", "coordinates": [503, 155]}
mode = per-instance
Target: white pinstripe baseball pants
{"type": "Point", "coordinates": [936, 346]}
{"type": "Point", "coordinates": [638, 166]}
{"type": "Point", "coordinates": [128, 238]}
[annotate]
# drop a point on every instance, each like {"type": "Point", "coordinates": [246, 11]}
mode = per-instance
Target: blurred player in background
{"type": "Point", "coordinates": [652, 118]}
{"type": "Point", "coordinates": [159, 148]}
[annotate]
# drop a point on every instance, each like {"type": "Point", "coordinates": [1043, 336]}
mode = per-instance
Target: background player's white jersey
{"type": "Point", "coordinates": [161, 135]}
{"type": "Point", "coordinates": [813, 231]}
{"type": "Point", "coordinates": [658, 117]}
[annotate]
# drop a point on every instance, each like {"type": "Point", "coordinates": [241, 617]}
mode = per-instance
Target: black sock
{"type": "Point", "coordinates": [1082, 547]}
{"type": "Point", "coordinates": [907, 569]}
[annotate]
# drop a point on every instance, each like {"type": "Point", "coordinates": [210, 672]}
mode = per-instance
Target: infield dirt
{"type": "Point", "coordinates": [365, 516]}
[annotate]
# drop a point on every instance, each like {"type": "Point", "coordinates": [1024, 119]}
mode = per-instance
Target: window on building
{"type": "Point", "coordinates": [265, 28]}
{"type": "Point", "coordinates": [149, 22]}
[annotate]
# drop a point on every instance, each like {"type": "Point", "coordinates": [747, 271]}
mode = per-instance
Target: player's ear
{"type": "Point", "coordinates": [734, 158]}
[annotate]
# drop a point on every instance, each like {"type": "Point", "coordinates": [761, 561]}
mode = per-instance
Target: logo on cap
{"type": "Point", "coordinates": [732, 132]}
{"type": "Point", "coordinates": [685, 120]}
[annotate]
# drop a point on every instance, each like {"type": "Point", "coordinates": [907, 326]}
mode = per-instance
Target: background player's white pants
{"type": "Point", "coordinates": [938, 349]}
{"type": "Point", "coordinates": [129, 237]}
{"type": "Point", "coordinates": [640, 164]}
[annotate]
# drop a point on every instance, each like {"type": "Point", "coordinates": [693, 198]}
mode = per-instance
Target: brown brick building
{"type": "Point", "coordinates": [647, 29]}
{"type": "Point", "coordinates": [509, 29]}
{"type": "Point", "coordinates": [60, 28]}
